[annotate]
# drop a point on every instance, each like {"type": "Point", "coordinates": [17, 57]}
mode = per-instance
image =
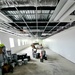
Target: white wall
{"type": "Point", "coordinates": [63, 43]}
{"type": "Point", "coordinates": [4, 38]}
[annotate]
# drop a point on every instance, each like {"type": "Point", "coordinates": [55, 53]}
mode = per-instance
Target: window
{"type": "Point", "coordinates": [22, 42]}
{"type": "Point", "coordinates": [11, 40]}
{"type": "Point", "coordinates": [19, 42]}
{"type": "Point", "coordinates": [25, 42]}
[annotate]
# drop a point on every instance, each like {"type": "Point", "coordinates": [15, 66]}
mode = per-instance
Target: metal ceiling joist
{"type": "Point", "coordinates": [62, 3]}
{"type": "Point", "coordinates": [54, 27]}
{"type": "Point", "coordinates": [69, 11]}
{"type": "Point", "coordinates": [12, 21]}
{"type": "Point", "coordinates": [22, 17]}
{"type": "Point", "coordinates": [41, 24]}
{"type": "Point", "coordinates": [37, 24]}
{"type": "Point", "coordinates": [30, 8]}
{"type": "Point", "coordinates": [44, 15]}
{"type": "Point", "coordinates": [7, 3]}
{"type": "Point", "coordinates": [64, 9]}
{"type": "Point", "coordinates": [36, 19]}
{"type": "Point", "coordinates": [28, 22]}
{"type": "Point", "coordinates": [4, 18]}
{"type": "Point", "coordinates": [58, 8]}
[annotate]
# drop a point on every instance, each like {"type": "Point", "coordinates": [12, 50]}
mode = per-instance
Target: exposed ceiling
{"type": "Point", "coordinates": [6, 3]}
{"type": "Point", "coordinates": [40, 18]}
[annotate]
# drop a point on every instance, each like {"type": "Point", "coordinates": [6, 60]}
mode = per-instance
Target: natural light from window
{"type": "Point", "coordinates": [19, 42]}
{"type": "Point", "coordinates": [22, 42]}
{"type": "Point", "coordinates": [11, 40]}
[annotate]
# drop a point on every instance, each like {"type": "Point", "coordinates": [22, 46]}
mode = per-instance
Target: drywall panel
{"type": "Point", "coordinates": [63, 43]}
{"type": "Point", "coordinates": [4, 38]}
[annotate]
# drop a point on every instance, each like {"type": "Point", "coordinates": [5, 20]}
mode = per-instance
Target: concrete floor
{"type": "Point", "coordinates": [55, 65]}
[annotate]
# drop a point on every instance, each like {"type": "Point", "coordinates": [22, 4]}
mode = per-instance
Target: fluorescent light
{"type": "Point", "coordinates": [44, 34]}
{"type": "Point", "coordinates": [36, 30]}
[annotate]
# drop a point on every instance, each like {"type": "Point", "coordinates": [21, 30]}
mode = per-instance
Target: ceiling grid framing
{"type": "Point", "coordinates": [36, 19]}
{"type": "Point", "coordinates": [46, 25]}
{"type": "Point", "coordinates": [22, 18]}
{"type": "Point", "coordinates": [54, 27]}
{"type": "Point", "coordinates": [30, 2]}
{"type": "Point", "coordinates": [10, 18]}
{"type": "Point", "coordinates": [14, 22]}
{"type": "Point", "coordinates": [68, 25]}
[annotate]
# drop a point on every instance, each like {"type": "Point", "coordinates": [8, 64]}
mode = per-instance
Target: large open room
{"type": "Point", "coordinates": [37, 37]}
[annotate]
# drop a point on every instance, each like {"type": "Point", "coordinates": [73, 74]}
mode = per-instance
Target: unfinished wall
{"type": "Point", "coordinates": [4, 38]}
{"type": "Point", "coordinates": [63, 43]}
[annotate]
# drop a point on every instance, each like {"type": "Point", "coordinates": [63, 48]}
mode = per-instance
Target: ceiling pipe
{"type": "Point", "coordinates": [68, 12]}
{"type": "Point", "coordinates": [4, 18]}
{"type": "Point", "coordinates": [58, 8]}
{"type": "Point", "coordinates": [64, 9]}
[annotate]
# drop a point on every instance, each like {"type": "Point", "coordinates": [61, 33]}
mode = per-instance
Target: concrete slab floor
{"type": "Point", "coordinates": [55, 65]}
